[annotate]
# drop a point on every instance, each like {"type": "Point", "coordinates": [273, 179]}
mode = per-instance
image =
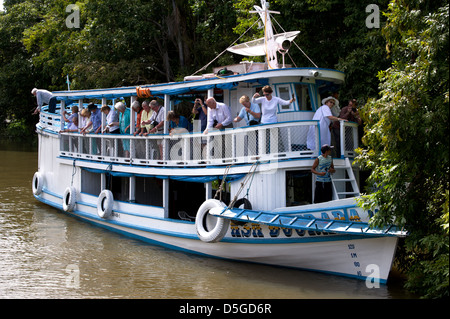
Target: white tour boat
{"type": "Point", "coordinates": [241, 194]}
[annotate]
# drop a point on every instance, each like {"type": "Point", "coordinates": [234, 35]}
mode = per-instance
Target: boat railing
{"type": "Point", "coordinates": [49, 121]}
{"type": "Point", "coordinates": [272, 142]}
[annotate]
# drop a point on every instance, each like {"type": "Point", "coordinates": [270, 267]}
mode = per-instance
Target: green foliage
{"type": "Point", "coordinates": [406, 138]}
{"type": "Point", "coordinates": [133, 42]}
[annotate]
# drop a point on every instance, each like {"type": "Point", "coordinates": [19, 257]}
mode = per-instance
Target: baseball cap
{"type": "Point", "coordinates": [326, 147]}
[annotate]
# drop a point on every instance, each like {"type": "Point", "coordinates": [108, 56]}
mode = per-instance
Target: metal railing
{"type": "Point", "coordinates": [271, 142]}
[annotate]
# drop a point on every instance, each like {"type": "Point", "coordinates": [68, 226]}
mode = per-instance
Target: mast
{"type": "Point", "coordinates": [270, 46]}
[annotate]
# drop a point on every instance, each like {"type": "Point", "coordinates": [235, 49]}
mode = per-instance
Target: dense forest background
{"type": "Point", "coordinates": [398, 72]}
{"type": "Point", "coordinates": [133, 42]}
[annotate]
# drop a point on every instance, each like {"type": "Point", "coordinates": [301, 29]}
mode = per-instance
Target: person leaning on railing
{"type": "Point", "coordinates": [137, 108]}
{"type": "Point", "coordinates": [219, 115]}
{"type": "Point", "coordinates": [157, 121]}
{"type": "Point", "coordinates": [111, 118]}
{"type": "Point", "coordinates": [70, 120]}
{"type": "Point", "coordinates": [350, 113]}
{"type": "Point", "coordinates": [324, 116]}
{"type": "Point", "coordinates": [250, 112]}
{"type": "Point", "coordinates": [176, 121]}
{"type": "Point", "coordinates": [86, 122]}
{"type": "Point", "coordinates": [124, 120]}
{"type": "Point", "coordinates": [44, 97]}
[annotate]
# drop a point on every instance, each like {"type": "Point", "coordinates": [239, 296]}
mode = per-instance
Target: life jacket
{"type": "Point", "coordinates": [143, 92]}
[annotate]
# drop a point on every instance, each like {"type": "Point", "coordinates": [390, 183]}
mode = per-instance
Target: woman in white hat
{"type": "Point", "coordinates": [324, 116]}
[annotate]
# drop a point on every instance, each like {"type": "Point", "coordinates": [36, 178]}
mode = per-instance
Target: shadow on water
{"type": "Point", "coordinates": [48, 254]}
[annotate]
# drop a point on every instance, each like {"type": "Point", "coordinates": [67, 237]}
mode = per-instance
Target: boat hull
{"type": "Point", "coordinates": [355, 256]}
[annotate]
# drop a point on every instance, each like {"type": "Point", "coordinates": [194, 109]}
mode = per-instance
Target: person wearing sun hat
{"type": "Point", "coordinates": [323, 167]}
{"type": "Point", "coordinates": [324, 116]}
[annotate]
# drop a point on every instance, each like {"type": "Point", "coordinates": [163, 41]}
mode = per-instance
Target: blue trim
{"type": "Point", "coordinates": [193, 179]}
{"type": "Point", "coordinates": [192, 84]}
{"type": "Point", "coordinates": [265, 241]}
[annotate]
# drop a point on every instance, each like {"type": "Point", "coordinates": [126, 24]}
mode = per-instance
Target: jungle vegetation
{"type": "Point", "coordinates": [398, 73]}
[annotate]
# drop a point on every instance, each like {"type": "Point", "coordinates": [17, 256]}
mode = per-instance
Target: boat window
{"type": "Point", "coordinates": [284, 92]}
{"type": "Point", "coordinates": [120, 188]}
{"type": "Point", "coordinates": [185, 198]}
{"type": "Point", "coordinates": [303, 97]}
{"type": "Point", "coordinates": [149, 191]}
{"type": "Point", "coordinates": [91, 183]}
{"type": "Point", "coordinates": [298, 187]}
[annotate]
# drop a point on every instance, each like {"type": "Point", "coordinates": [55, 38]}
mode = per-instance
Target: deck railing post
{"type": "Point", "coordinates": [132, 128]}
{"type": "Point", "coordinates": [318, 146]}
{"type": "Point", "coordinates": [342, 138]}
{"type": "Point", "coordinates": [166, 127]}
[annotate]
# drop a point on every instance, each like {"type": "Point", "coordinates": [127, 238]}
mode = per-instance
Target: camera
{"type": "Point", "coordinates": [354, 109]}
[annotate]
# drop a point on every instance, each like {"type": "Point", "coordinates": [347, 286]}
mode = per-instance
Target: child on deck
{"type": "Point", "coordinates": [323, 167]}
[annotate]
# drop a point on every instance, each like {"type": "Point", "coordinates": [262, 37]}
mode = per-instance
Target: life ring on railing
{"type": "Point", "coordinates": [210, 229]}
{"type": "Point", "coordinates": [69, 198]}
{"type": "Point", "coordinates": [105, 203]}
{"type": "Point", "coordinates": [37, 184]}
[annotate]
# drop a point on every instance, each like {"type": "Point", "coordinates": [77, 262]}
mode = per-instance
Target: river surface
{"type": "Point", "coordinates": [45, 253]}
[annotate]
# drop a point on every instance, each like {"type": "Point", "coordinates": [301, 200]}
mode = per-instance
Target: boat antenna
{"type": "Point", "coordinates": [204, 67]}
{"type": "Point", "coordinates": [68, 82]}
{"type": "Point", "coordinates": [296, 45]}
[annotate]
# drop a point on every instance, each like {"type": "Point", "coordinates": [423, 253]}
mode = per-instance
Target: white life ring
{"type": "Point", "coordinates": [210, 229]}
{"type": "Point", "coordinates": [105, 203]}
{"type": "Point", "coordinates": [69, 198]}
{"type": "Point", "coordinates": [37, 183]}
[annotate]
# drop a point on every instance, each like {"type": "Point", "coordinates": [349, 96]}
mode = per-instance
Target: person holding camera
{"type": "Point", "coordinates": [250, 112]}
{"type": "Point", "coordinates": [349, 113]}
{"type": "Point", "coordinates": [219, 115]}
{"type": "Point", "coordinates": [157, 118]}
{"type": "Point", "coordinates": [200, 112]}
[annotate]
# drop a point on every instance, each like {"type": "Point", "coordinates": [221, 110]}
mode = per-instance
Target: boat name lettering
{"type": "Point", "coordinates": [252, 230]}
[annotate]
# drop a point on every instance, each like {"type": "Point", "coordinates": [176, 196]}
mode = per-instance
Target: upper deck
{"type": "Point", "coordinates": [283, 141]}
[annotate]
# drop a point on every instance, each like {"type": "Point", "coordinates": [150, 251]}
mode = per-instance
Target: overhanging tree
{"type": "Point", "coordinates": [406, 141]}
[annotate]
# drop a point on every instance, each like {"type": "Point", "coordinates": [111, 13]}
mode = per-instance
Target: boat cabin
{"type": "Point", "coordinates": [163, 170]}
{"type": "Point", "coordinates": [196, 163]}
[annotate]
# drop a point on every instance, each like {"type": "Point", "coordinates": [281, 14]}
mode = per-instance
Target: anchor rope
{"type": "Point", "coordinates": [219, 190]}
{"type": "Point", "coordinates": [249, 177]}
{"type": "Point", "coordinates": [74, 171]}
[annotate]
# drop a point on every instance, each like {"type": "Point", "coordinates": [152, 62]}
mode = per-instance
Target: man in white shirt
{"type": "Point", "coordinates": [157, 118]}
{"type": "Point", "coordinates": [44, 97]}
{"type": "Point", "coordinates": [219, 115]}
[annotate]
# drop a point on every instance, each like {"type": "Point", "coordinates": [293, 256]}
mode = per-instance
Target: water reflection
{"type": "Point", "coordinates": [39, 246]}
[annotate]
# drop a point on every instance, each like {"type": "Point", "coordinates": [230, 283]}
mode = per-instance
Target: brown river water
{"type": "Point", "coordinates": [46, 254]}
